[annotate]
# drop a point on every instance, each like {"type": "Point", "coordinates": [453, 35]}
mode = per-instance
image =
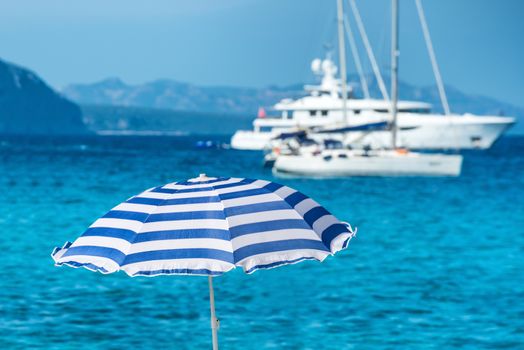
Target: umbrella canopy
{"type": "Point", "coordinates": [207, 226]}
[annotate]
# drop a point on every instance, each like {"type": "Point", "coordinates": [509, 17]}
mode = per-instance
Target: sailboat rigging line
{"type": "Point", "coordinates": [369, 50]}
{"type": "Point", "coordinates": [432, 57]}
{"type": "Point", "coordinates": [356, 57]}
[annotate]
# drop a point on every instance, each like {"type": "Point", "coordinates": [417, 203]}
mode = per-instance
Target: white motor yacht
{"type": "Point", "coordinates": [419, 128]}
{"type": "Point", "coordinates": [326, 106]}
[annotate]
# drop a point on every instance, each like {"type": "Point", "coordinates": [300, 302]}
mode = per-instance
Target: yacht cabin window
{"type": "Point", "coordinates": [312, 113]}
{"type": "Point", "coordinates": [324, 113]}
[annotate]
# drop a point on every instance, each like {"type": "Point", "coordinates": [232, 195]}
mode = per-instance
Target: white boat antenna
{"type": "Point", "coordinates": [342, 58]}
{"type": "Point", "coordinates": [369, 50]}
{"type": "Point", "coordinates": [432, 57]}
{"type": "Point", "coordinates": [356, 57]}
{"type": "Point", "coordinates": [394, 71]}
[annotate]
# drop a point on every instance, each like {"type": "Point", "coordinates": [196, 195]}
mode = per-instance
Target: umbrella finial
{"type": "Point", "coordinates": [201, 177]}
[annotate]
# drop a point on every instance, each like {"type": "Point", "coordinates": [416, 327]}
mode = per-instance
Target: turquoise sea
{"type": "Point", "coordinates": [438, 263]}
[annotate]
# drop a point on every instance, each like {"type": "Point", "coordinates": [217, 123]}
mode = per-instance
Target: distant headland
{"type": "Point", "coordinates": [29, 106]}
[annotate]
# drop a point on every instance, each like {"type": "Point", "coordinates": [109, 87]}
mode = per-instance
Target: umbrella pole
{"type": "Point", "coordinates": [214, 320]}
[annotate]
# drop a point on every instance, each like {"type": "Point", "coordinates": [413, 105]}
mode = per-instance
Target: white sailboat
{"type": "Point", "coordinates": [381, 162]}
{"type": "Point", "coordinates": [332, 163]}
{"type": "Point", "coordinates": [328, 104]}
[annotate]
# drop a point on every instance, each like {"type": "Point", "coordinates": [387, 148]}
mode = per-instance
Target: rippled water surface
{"type": "Point", "coordinates": [437, 263]}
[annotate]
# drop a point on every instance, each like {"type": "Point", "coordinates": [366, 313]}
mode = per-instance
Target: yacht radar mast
{"type": "Point", "coordinates": [394, 72]}
{"type": "Point", "coordinates": [342, 58]}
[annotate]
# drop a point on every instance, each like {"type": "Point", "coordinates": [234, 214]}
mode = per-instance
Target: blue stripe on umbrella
{"type": "Point", "coordinates": [127, 215]}
{"type": "Point", "coordinates": [314, 214]}
{"type": "Point", "coordinates": [191, 200]}
{"type": "Point", "coordinates": [245, 193]}
{"type": "Point", "coordinates": [190, 215]}
{"type": "Point", "coordinates": [168, 254]}
{"type": "Point", "coordinates": [101, 252]}
{"type": "Point", "coordinates": [265, 226]}
{"type": "Point", "coordinates": [120, 233]}
{"type": "Point", "coordinates": [182, 234]}
{"type": "Point", "coordinates": [147, 201]}
{"type": "Point", "coordinates": [273, 186]}
{"type": "Point", "coordinates": [278, 246]}
{"type": "Point", "coordinates": [295, 198]}
{"type": "Point", "coordinates": [133, 237]}
{"type": "Point", "coordinates": [255, 208]}
{"type": "Point", "coordinates": [333, 231]}
{"type": "Point", "coordinates": [235, 184]}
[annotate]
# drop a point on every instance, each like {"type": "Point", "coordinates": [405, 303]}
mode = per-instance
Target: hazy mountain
{"type": "Point", "coordinates": [29, 106]}
{"type": "Point", "coordinates": [148, 121]}
{"type": "Point", "coordinates": [169, 94]}
{"type": "Point", "coordinates": [174, 95]}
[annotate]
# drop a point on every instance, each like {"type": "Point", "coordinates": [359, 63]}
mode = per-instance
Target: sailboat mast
{"type": "Point", "coordinates": [394, 71]}
{"type": "Point", "coordinates": [342, 57]}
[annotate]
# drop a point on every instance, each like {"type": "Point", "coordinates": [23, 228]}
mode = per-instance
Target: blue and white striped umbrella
{"type": "Point", "coordinates": [207, 226]}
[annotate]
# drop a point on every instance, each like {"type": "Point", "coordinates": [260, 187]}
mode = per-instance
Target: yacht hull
{"type": "Point", "coordinates": [423, 132]}
{"type": "Point", "coordinates": [382, 164]}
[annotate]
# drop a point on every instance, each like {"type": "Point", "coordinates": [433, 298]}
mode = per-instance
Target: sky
{"type": "Point", "coordinates": [479, 43]}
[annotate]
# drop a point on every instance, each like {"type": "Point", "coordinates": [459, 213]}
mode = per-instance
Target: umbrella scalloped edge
{"type": "Point", "coordinates": [338, 244]}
